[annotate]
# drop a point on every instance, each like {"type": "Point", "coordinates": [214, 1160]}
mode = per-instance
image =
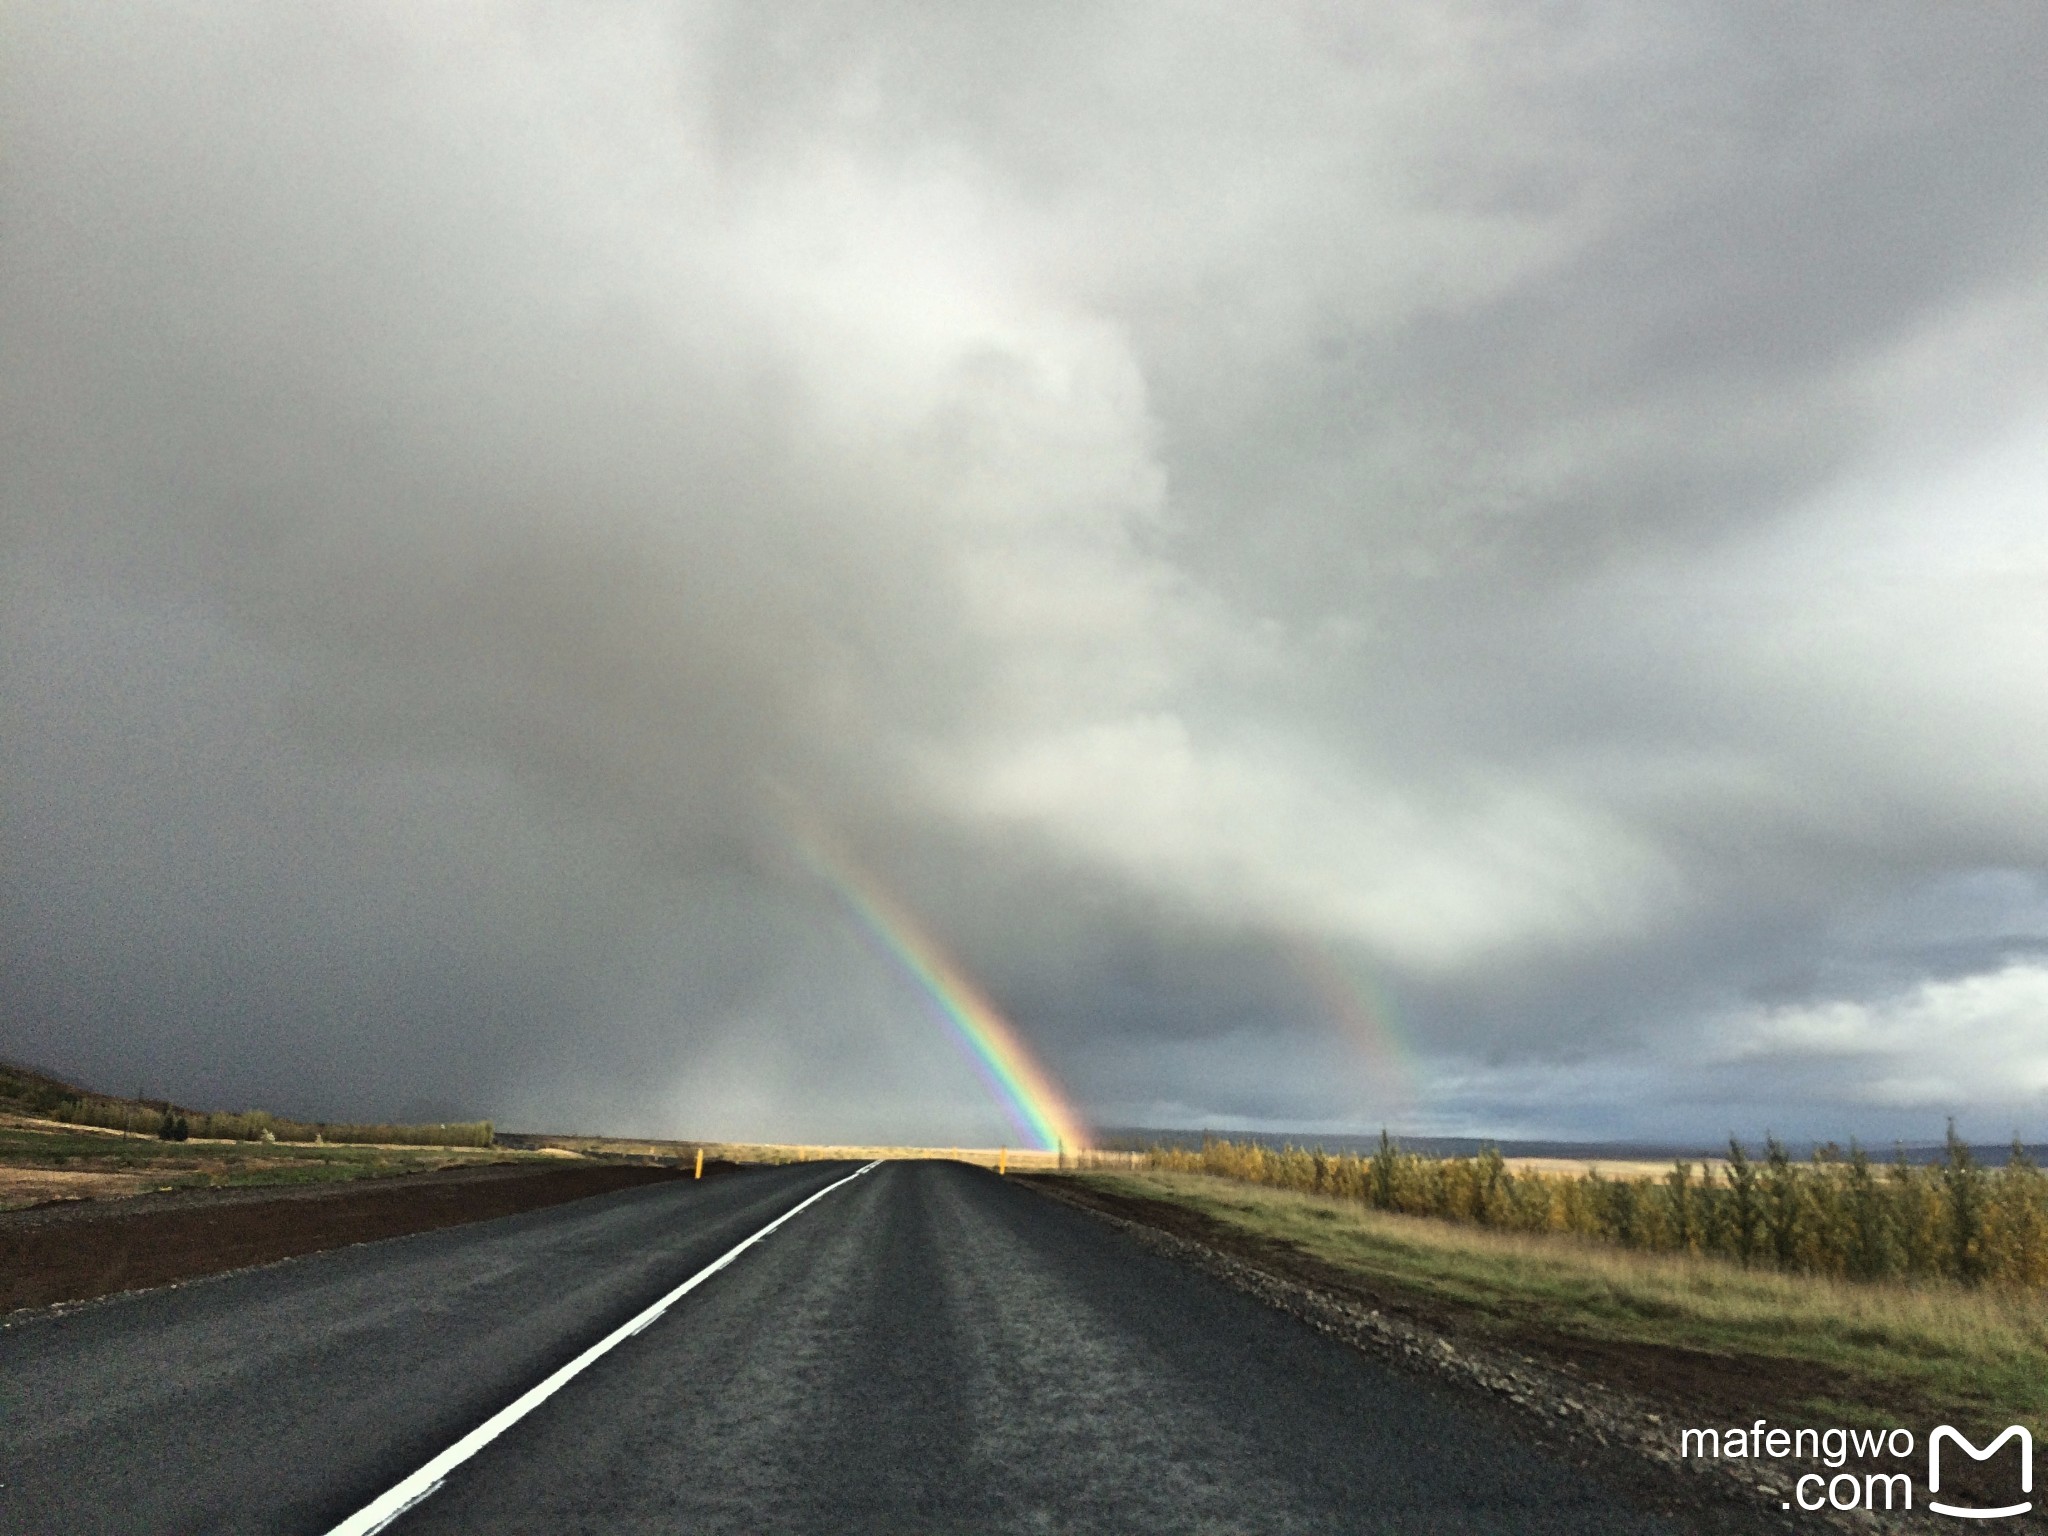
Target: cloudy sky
{"type": "Point", "coordinates": [1475, 567]}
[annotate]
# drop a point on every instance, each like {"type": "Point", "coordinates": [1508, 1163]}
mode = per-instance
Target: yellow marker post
{"type": "Point", "coordinates": [1003, 1160]}
{"type": "Point", "coordinates": [700, 1163]}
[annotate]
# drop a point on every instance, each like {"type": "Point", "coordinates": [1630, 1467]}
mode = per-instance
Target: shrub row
{"type": "Point", "coordinates": [1836, 1214]}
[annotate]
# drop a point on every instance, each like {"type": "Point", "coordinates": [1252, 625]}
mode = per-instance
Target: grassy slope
{"type": "Point", "coordinates": [233, 1163]}
{"type": "Point", "coordinates": [1886, 1352]}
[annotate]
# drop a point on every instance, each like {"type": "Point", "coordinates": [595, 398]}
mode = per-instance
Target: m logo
{"type": "Point", "coordinates": [1944, 1432]}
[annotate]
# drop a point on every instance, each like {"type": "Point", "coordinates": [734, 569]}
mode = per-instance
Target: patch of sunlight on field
{"type": "Point", "coordinates": [1607, 1168]}
{"type": "Point", "coordinates": [1016, 1159]}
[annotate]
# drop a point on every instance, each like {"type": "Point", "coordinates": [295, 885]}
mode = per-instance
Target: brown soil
{"type": "Point", "coordinates": [77, 1250]}
{"type": "Point", "coordinates": [34, 1186]}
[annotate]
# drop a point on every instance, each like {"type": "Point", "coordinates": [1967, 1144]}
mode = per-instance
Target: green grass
{"type": "Point", "coordinates": [1928, 1347]}
{"type": "Point", "coordinates": [227, 1164]}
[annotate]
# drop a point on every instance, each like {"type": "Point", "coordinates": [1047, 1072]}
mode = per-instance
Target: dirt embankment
{"type": "Point", "coordinates": [76, 1251]}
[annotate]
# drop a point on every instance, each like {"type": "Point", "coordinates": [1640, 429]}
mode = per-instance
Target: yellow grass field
{"type": "Point", "coordinates": [1611, 1168]}
{"type": "Point", "coordinates": [1016, 1159]}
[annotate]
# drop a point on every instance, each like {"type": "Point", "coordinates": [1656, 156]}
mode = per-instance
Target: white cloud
{"type": "Point", "coordinates": [1972, 1041]}
{"type": "Point", "coordinates": [1259, 837]}
{"type": "Point", "coordinates": [1517, 495]}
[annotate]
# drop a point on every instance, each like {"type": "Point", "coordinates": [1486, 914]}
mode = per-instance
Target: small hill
{"type": "Point", "coordinates": [26, 1091]}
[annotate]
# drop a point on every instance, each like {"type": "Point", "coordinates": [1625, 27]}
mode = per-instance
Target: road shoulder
{"type": "Point", "coordinates": [1594, 1406]}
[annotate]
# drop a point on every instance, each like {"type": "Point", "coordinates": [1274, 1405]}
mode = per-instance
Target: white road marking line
{"type": "Point", "coordinates": [388, 1506]}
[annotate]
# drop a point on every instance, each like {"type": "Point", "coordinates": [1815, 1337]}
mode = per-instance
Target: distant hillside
{"type": "Point", "coordinates": [27, 1091]}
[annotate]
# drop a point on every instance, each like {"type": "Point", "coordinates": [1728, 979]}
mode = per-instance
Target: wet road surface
{"type": "Point", "coordinates": [928, 1348]}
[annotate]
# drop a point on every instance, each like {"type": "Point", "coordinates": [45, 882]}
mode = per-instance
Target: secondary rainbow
{"type": "Point", "coordinates": [1356, 1001]}
{"type": "Point", "coordinates": [1025, 1090]}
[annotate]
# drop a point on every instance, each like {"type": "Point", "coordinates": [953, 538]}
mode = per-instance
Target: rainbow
{"type": "Point", "coordinates": [1364, 1010]}
{"type": "Point", "coordinates": [1025, 1090]}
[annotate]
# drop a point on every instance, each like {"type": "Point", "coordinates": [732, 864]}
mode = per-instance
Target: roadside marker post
{"type": "Point", "coordinates": [700, 1164]}
{"type": "Point", "coordinates": [1003, 1160]}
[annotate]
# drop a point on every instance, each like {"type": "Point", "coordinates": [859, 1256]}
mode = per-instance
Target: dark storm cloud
{"type": "Point", "coordinates": [1537, 511]}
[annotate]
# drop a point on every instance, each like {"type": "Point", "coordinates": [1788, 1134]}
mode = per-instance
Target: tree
{"type": "Point", "coordinates": [2018, 1236]}
{"type": "Point", "coordinates": [1383, 1160]}
{"type": "Point", "coordinates": [1490, 1186]}
{"type": "Point", "coordinates": [1781, 1201]}
{"type": "Point", "coordinates": [1685, 1235]}
{"type": "Point", "coordinates": [1742, 1193]}
{"type": "Point", "coordinates": [1873, 1231]}
{"type": "Point", "coordinates": [1963, 1182]}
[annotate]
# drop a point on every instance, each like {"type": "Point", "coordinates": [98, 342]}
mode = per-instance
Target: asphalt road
{"type": "Point", "coordinates": [928, 1348]}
